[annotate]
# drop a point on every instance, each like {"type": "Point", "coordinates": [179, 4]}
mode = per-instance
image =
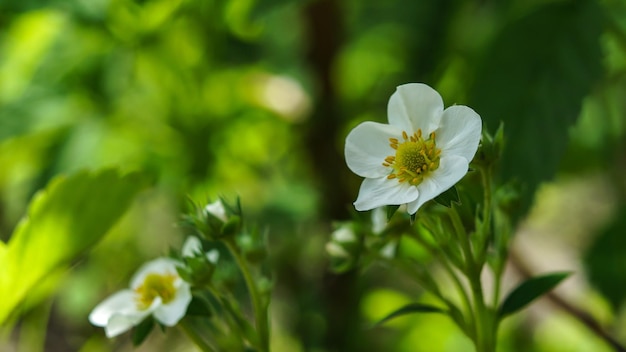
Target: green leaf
{"type": "Point", "coordinates": [448, 197]}
{"type": "Point", "coordinates": [606, 262]}
{"type": "Point", "coordinates": [534, 78]}
{"type": "Point", "coordinates": [528, 291]}
{"type": "Point", "coordinates": [410, 309]}
{"type": "Point", "coordinates": [63, 221]}
{"type": "Point", "coordinates": [142, 331]}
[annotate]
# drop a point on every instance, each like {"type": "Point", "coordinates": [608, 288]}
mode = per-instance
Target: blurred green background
{"type": "Point", "coordinates": [253, 98]}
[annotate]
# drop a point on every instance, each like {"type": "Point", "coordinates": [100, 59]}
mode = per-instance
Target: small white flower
{"type": "Point", "coordinates": [155, 289]}
{"type": "Point", "coordinates": [192, 246]}
{"type": "Point", "coordinates": [342, 236]}
{"type": "Point", "coordinates": [423, 151]}
{"type": "Point", "coordinates": [217, 209]}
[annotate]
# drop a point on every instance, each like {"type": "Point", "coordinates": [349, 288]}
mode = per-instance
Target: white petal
{"type": "Point", "coordinates": [159, 266]}
{"type": "Point", "coordinates": [119, 302]}
{"type": "Point", "coordinates": [459, 132]}
{"type": "Point", "coordinates": [120, 323]}
{"type": "Point", "coordinates": [169, 314]}
{"type": "Point", "coordinates": [413, 106]}
{"type": "Point", "coordinates": [118, 313]}
{"type": "Point", "coordinates": [367, 146]}
{"type": "Point", "coordinates": [213, 256]}
{"type": "Point", "coordinates": [389, 250]}
{"type": "Point", "coordinates": [335, 250]}
{"type": "Point", "coordinates": [217, 209]}
{"type": "Point", "coordinates": [376, 192]}
{"type": "Point", "coordinates": [191, 246]}
{"type": "Point", "coordinates": [451, 170]}
{"type": "Point", "coordinates": [343, 234]}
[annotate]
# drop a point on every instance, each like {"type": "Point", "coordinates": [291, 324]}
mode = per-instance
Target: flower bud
{"type": "Point", "coordinates": [343, 248]}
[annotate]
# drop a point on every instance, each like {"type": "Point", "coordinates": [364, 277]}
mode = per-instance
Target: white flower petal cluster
{"type": "Point", "coordinates": [341, 237]}
{"type": "Point", "coordinates": [193, 246]}
{"type": "Point", "coordinates": [217, 209]}
{"type": "Point", "coordinates": [156, 289]}
{"type": "Point", "coordinates": [423, 151]}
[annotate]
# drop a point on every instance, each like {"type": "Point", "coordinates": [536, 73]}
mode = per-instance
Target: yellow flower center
{"type": "Point", "coordinates": [153, 286]}
{"type": "Point", "coordinates": [415, 157]}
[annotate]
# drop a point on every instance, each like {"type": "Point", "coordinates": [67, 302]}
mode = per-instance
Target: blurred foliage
{"type": "Point", "coordinates": [62, 222]}
{"type": "Point", "coordinates": [254, 98]}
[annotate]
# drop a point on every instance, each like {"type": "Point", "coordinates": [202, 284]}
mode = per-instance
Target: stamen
{"type": "Point", "coordinates": [414, 157]}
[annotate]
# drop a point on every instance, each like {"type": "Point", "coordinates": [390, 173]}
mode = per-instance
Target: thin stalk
{"type": "Point", "coordinates": [487, 210]}
{"type": "Point", "coordinates": [194, 337]}
{"type": "Point", "coordinates": [487, 322]}
{"type": "Point", "coordinates": [437, 252]}
{"type": "Point", "coordinates": [260, 311]}
{"type": "Point", "coordinates": [485, 341]}
{"type": "Point", "coordinates": [463, 239]}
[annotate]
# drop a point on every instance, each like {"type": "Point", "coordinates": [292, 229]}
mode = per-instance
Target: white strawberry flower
{"type": "Point", "coordinates": [423, 151]}
{"type": "Point", "coordinates": [156, 289]}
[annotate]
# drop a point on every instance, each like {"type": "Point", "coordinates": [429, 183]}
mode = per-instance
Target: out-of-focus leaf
{"type": "Point", "coordinates": [534, 78]}
{"type": "Point", "coordinates": [448, 197]}
{"type": "Point", "coordinates": [63, 221]}
{"type": "Point", "coordinates": [410, 309]}
{"type": "Point", "coordinates": [528, 291]}
{"type": "Point", "coordinates": [606, 261]}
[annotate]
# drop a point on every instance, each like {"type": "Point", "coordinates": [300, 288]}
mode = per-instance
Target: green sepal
{"type": "Point", "coordinates": [391, 209]}
{"type": "Point", "coordinates": [451, 195]}
{"type": "Point", "coordinates": [528, 291]}
{"type": "Point", "coordinates": [142, 330]}
{"type": "Point", "coordinates": [231, 227]}
{"type": "Point", "coordinates": [184, 273]}
{"type": "Point", "coordinates": [198, 307]}
{"type": "Point", "coordinates": [410, 309]}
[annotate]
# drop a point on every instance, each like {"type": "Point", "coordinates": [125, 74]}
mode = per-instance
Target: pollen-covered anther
{"type": "Point", "coordinates": [415, 157]}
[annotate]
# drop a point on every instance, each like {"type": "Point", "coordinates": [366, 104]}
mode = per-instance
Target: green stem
{"type": "Point", "coordinates": [483, 324]}
{"type": "Point", "coordinates": [193, 336]}
{"type": "Point", "coordinates": [463, 239]}
{"type": "Point", "coordinates": [487, 324]}
{"type": "Point", "coordinates": [485, 231]}
{"type": "Point", "coordinates": [485, 339]}
{"type": "Point", "coordinates": [445, 261]}
{"type": "Point", "coordinates": [260, 310]}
